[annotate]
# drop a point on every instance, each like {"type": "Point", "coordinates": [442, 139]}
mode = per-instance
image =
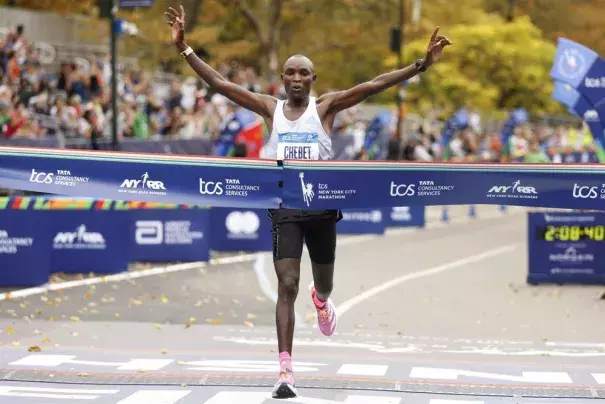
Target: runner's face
{"type": "Point", "coordinates": [298, 76]}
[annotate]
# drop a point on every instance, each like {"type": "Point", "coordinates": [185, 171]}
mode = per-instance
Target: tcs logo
{"type": "Point", "coordinates": [211, 188]}
{"type": "Point", "coordinates": [402, 189]}
{"type": "Point", "coordinates": [41, 178]}
{"type": "Point", "coordinates": [587, 192]}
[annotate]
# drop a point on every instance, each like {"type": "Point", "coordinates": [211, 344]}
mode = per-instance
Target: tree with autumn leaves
{"type": "Point", "coordinates": [496, 64]}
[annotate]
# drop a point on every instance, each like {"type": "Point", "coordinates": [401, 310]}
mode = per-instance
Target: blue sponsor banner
{"type": "Point", "coordinates": [362, 221]}
{"type": "Point", "coordinates": [87, 241]}
{"type": "Point", "coordinates": [147, 178]}
{"type": "Point", "coordinates": [170, 235]}
{"type": "Point", "coordinates": [405, 216]}
{"type": "Point", "coordinates": [567, 247]}
{"type": "Point", "coordinates": [240, 230]}
{"type": "Point", "coordinates": [24, 249]}
{"type": "Point", "coordinates": [332, 185]}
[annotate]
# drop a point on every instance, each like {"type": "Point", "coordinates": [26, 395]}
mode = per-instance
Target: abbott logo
{"type": "Point", "coordinates": [41, 178]}
{"type": "Point", "coordinates": [149, 232]}
{"type": "Point", "coordinates": [242, 224]}
{"type": "Point", "coordinates": [571, 255]}
{"type": "Point", "coordinates": [307, 190]}
{"type": "Point", "coordinates": [211, 188]}
{"type": "Point", "coordinates": [144, 183]}
{"type": "Point", "coordinates": [402, 189]}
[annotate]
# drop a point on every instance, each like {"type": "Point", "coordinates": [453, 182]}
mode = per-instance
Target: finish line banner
{"type": "Point", "coordinates": [262, 184]}
{"type": "Point", "coordinates": [142, 177]}
{"type": "Point", "coordinates": [353, 185]}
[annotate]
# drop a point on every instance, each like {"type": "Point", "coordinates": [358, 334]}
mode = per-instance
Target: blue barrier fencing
{"type": "Point", "coordinates": [44, 235]}
{"type": "Point", "coordinates": [566, 247]}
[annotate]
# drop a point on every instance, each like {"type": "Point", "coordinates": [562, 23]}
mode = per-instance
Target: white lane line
{"type": "Point", "coordinates": [126, 276]}
{"type": "Point", "coordinates": [155, 397]}
{"type": "Point", "coordinates": [344, 307]}
{"type": "Point", "coordinates": [363, 370]}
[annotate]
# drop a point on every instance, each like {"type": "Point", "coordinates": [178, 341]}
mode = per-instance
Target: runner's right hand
{"type": "Point", "coordinates": [177, 21]}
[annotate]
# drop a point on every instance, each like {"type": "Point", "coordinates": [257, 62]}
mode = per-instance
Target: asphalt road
{"type": "Point", "coordinates": [435, 315]}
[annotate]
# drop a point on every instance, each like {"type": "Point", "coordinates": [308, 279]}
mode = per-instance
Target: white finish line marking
{"type": "Point", "coordinates": [56, 360]}
{"type": "Point", "coordinates": [48, 392]}
{"type": "Point", "coordinates": [363, 370]}
{"type": "Point", "coordinates": [249, 397]}
{"type": "Point", "coordinates": [599, 377]}
{"type": "Point", "coordinates": [250, 366]}
{"type": "Point", "coordinates": [526, 377]}
{"type": "Point", "coordinates": [155, 397]}
{"type": "Point", "coordinates": [344, 307]}
{"type": "Point", "coordinates": [126, 275]}
{"type": "Point", "coordinates": [440, 401]}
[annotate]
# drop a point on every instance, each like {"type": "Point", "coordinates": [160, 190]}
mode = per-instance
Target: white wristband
{"type": "Point", "coordinates": [187, 52]}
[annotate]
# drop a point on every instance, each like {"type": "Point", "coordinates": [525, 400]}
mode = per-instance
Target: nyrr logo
{"type": "Point", "coordinates": [585, 192]}
{"type": "Point", "coordinates": [144, 183]}
{"type": "Point", "coordinates": [210, 188]}
{"type": "Point", "coordinates": [81, 238]}
{"type": "Point", "coordinates": [402, 189]}
{"type": "Point", "coordinates": [515, 190]}
{"type": "Point", "coordinates": [41, 178]}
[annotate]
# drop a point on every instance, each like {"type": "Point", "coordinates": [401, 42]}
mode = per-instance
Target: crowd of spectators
{"type": "Point", "coordinates": [74, 100]}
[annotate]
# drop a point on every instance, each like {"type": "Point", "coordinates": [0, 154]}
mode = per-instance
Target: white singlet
{"type": "Point", "coordinates": [303, 139]}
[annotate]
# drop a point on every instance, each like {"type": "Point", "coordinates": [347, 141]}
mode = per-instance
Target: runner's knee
{"type": "Point", "coordinates": [288, 285]}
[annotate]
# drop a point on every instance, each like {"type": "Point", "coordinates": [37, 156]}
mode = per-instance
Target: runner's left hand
{"type": "Point", "coordinates": [435, 48]}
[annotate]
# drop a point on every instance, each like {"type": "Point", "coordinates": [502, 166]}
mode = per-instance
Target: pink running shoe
{"type": "Point", "coordinates": [284, 388]}
{"type": "Point", "coordinates": [326, 315]}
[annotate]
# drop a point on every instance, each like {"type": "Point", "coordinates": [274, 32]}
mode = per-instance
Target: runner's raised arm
{"type": "Point", "coordinates": [262, 104]}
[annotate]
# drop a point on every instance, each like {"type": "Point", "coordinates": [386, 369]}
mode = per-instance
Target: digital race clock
{"type": "Point", "coordinates": [572, 233]}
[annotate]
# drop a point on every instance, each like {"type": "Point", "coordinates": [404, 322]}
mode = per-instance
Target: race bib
{"type": "Point", "coordinates": [297, 146]}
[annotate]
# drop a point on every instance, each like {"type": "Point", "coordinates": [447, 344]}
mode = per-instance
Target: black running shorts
{"type": "Point", "coordinates": [317, 228]}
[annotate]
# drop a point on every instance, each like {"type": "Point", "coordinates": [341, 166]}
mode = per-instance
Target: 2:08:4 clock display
{"type": "Point", "coordinates": [572, 233]}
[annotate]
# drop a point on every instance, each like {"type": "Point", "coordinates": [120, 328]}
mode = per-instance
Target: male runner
{"type": "Point", "coordinates": [301, 127]}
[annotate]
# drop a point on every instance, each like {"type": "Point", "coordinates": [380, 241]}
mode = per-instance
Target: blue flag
{"type": "Point", "coordinates": [572, 62]}
{"type": "Point", "coordinates": [377, 136]}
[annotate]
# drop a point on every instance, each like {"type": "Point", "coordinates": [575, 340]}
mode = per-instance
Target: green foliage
{"type": "Point", "coordinates": [492, 66]}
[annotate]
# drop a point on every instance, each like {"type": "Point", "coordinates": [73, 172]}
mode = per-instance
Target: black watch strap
{"type": "Point", "coordinates": [420, 66]}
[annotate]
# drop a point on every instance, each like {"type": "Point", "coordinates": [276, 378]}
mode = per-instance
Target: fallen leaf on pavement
{"type": "Point", "coordinates": [192, 319]}
{"type": "Point", "coordinates": [251, 316]}
{"type": "Point", "coordinates": [157, 326]}
{"type": "Point", "coordinates": [16, 343]}
{"type": "Point", "coordinates": [75, 319]}
{"type": "Point", "coordinates": [164, 352]}
{"type": "Point", "coordinates": [164, 299]}
{"type": "Point", "coordinates": [235, 301]}
{"type": "Point", "coordinates": [248, 324]}
{"type": "Point", "coordinates": [214, 321]}
{"type": "Point", "coordinates": [9, 330]}
{"type": "Point", "coordinates": [46, 340]}
{"type": "Point", "coordinates": [260, 298]}
{"type": "Point", "coordinates": [34, 348]}
{"type": "Point", "coordinates": [117, 315]}
{"type": "Point", "coordinates": [37, 332]}
{"type": "Point", "coordinates": [198, 303]}
{"type": "Point", "coordinates": [187, 325]}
